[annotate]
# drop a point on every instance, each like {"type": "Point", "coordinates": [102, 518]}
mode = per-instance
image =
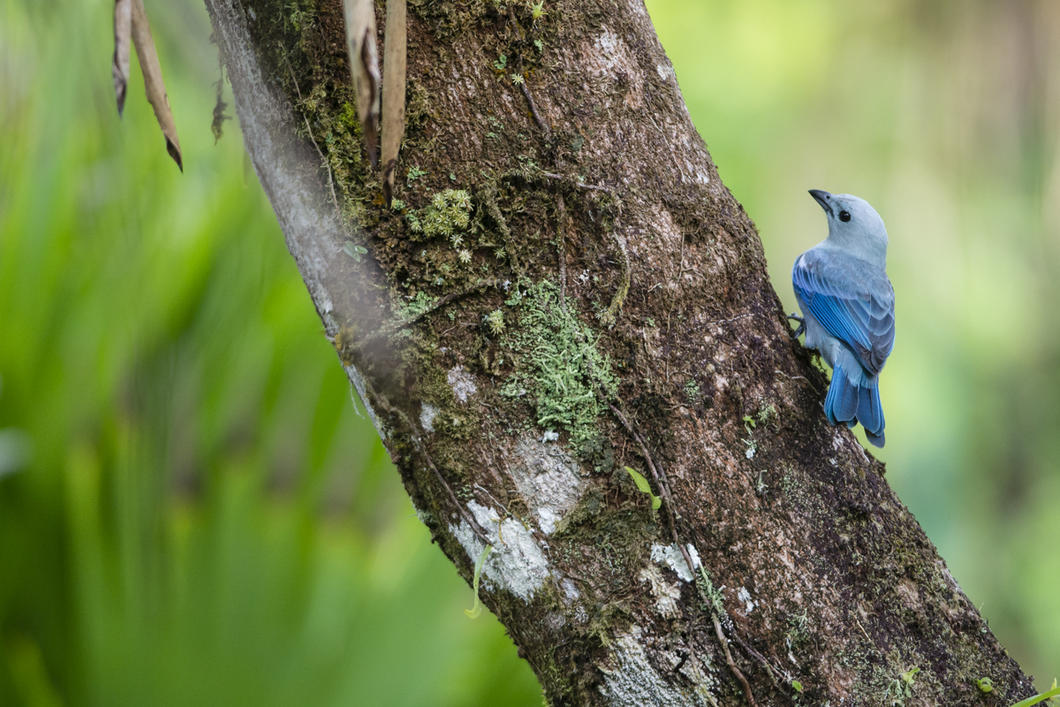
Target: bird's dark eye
{"type": "Point", "coordinates": [844, 215]}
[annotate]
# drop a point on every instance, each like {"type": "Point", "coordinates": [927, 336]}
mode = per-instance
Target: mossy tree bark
{"type": "Point", "coordinates": [562, 289]}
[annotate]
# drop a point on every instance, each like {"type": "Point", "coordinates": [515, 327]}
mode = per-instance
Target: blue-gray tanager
{"type": "Point", "coordinates": [848, 308]}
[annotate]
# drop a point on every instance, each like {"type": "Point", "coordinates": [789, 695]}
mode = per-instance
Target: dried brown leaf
{"type": "Point", "coordinates": [394, 66]}
{"type": "Point", "coordinates": [364, 67]}
{"type": "Point", "coordinates": [122, 36]}
{"type": "Point", "coordinates": [153, 83]}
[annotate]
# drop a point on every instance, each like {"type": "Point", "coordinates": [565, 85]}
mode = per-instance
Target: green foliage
{"type": "Point", "coordinates": [413, 174]}
{"type": "Point", "coordinates": [569, 382]}
{"type": "Point", "coordinates": [644, 487]}
{"type": "Point", "coordinates": [192, 510]}
{"type": "Point", "coordinates": [476, 608]}
{"type": "Point", "coordinates": [985, 685]}
{"type": "Point", "coordinates": [417, 305]}
{"type": "Point", "coordinates": [901, 688]}
{"type": "Point", "coordinates": [1040, 697]}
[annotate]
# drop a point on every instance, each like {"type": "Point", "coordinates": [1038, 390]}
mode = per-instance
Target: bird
{"type": "Point", "coordinates": [847, 305]}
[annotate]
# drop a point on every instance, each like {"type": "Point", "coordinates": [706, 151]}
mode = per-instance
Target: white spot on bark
{"type": "Point", "coordinates": [427, 414]}
{"type": "Point", "coordinates": [550, 436]}
{"type": "Point", "coordinates": [745, 598]}
{"type": "Point", "coordinates": [572, 595]}
{"type": "Point", "coordinates": [670, 555]}
{"type": "Point", "coordinates": [630, 679]}
{"type": "Point", "coordinates": [546, 520]}
{"type": "Point", "coordinates": [548, 480]}
{"type": "Point", "coordinates": [462, 383]}
{"type": "Point", "coordinates": [569, 590]}
{"type": "Point", "coordinates": [606, 46]}
{"type": "Point", "coordinates": [666, 594]}
{"type": "Point", "coordinates": [516, 564]}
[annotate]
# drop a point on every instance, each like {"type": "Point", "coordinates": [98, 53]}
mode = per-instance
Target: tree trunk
{"type": "Point", "coordinates": [563, 290]}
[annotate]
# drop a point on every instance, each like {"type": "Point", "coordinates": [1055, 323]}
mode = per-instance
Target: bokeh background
{"type": "Point", "coordinates": [194, 511]}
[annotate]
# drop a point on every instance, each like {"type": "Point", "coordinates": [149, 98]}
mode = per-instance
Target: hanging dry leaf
{"type": "Point", "coordinates": [122, 36]}
{"type": "Point", "coordinates": [364, 67]}
{"type": "Point", "coordinates": [394, 65]}
{"type": "Point", "coordinates": [152, 71]}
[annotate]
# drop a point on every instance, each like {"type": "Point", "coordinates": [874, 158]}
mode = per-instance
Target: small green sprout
{"type": "Point", "coordinates": [985, 685]}
{"type": "Point", "coordinates": [501, 63]}
{"type": "Point", "coordinates": [796, 686]}
{"type": "Point", "coordinates": [539, 45]}
{"type": "Point", "coordinates": [537, 10]}
{"type": "Point", "coordinates": [355, 251]}
{"type": "Point", "coordinates": [644, 487]}
{"type": "Point", "coordinates": [413, 174]}
{"type": "Point", "coordinates": [476, 608]}
{"type": "Point", "coordinates": [397, 205]}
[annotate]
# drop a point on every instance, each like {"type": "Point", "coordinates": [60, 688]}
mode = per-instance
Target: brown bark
{"type": "Point", "coordinates": [608, 289]}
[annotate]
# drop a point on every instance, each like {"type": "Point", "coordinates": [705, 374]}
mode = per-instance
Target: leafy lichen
{"type": "Point", "coordinates": [567, 379]}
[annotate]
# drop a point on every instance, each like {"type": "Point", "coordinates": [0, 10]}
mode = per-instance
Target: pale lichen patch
{"type": "Point", "coordinates": [630, 678]}
{"type": "Point", "coordinates": [671, 556]}
{"type": "Point", "coordinates": [745, 598]}
{"type": "Point", "coordinates": [667, 594]}
{"type": "Point", "coordinates": [548, 480]}
{"type": "Point", "coordinates": [427, 414]}
{"type": "Point", "coordinates": [462, 383]}
{"type": "Point", "coordinates": [516, 563]}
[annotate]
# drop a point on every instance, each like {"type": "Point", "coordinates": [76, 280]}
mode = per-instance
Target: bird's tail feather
{"type": "Point", "coordinates": [841, 403]}
{"type": "Point", "coordinates": [849, 403]}
{"type": "Point", "coordinates": [870, 413]}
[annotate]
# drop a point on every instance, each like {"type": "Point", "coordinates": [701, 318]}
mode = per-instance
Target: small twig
{"type": "Point", "coordinates": [561, 208]}
{"type": "Point", "coordinates": [477, 529]}
{"type": "Point", "coordinates": [730, 320]}
{"type": "Point", "coordinates": [444, 300]}
{"type": "Point", "coordinates": [771, 669]}
{"type": "Point", "coordinates": [573, 182]}
{"type": "Point", "coordinates": [533, 111]}
{"type": "Point", "coordinates": [312, 139]}
{"type": "Point", "coordinates": [728, 659]}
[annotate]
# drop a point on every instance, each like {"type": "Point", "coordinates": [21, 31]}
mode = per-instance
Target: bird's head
{"type": "Point", "coordinates": [853, 224]}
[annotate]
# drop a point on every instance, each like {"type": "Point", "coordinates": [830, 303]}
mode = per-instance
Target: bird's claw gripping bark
{"type": "Point", "coordinates": [802, 325]}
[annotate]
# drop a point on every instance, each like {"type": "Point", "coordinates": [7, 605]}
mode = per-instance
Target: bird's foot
{"type": "Point", "coordinates": [802, 325]}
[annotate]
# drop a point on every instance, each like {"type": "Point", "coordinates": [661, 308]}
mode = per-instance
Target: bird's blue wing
{"type": "Point", "coordinates": [851, 299]}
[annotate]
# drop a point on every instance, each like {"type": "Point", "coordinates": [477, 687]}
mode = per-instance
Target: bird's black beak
{"type": "Point", "coordinates": [823, 198]}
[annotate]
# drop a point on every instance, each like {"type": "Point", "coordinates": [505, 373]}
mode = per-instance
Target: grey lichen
{"type": "Point", "coordinates": [630, 678]}
{"type": "Point", "coordinates": [516, 564]}
{"type": "Point", "coordinates": [565, 376]}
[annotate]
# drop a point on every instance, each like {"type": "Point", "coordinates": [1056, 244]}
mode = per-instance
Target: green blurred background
{"type": "Point", "coordinates": [192, 509]}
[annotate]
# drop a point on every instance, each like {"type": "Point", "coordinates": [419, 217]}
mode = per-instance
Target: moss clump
{"type": "Point", "coordinates": [563, 372]}
{"type": "Point", "coordinates": [447, 216]}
